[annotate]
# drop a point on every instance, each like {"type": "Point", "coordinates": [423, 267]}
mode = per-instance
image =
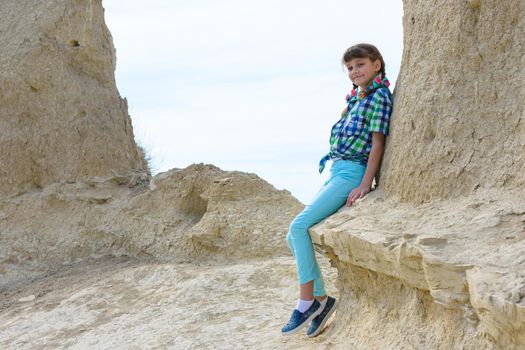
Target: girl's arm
{"type": "Point", "coordinates": [378, 147]}
{"type": "Point", "coordinates": [344, 111]}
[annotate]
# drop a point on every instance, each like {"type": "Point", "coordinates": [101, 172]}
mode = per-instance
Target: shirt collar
{"type": "Point", "coordinates": [376, 84]}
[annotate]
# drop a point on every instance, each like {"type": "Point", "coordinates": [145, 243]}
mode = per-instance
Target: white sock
{"type": "Point", "coordinates": [323, 303]}
{"type": "Point", "coordinates": [303, 305]}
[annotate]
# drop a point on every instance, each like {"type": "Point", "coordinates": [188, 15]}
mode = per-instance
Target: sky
{"type": "Point", "coordinates": [253, 86]}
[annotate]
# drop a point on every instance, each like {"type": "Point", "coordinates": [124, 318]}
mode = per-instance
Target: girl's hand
{"type": "Point", "coordinates": [358, 192]}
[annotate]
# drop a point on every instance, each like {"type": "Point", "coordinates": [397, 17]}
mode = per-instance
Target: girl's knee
{"type": "Point", "coordinates": [297, 227]}
{"type": "Point", "coordinates": [303, 221]}
{"type": "Point", "coordinates": [298, 232]}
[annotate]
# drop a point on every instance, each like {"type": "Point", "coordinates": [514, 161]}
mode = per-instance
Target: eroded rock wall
{"type": "Point", "coordinates": [61, 117]}
{"type": "Point", "coordinates": [439, 247]}
{"type": "Point", "coordinates": [199, 213]}
{"type": "Point", "coordinates": [458, 123]}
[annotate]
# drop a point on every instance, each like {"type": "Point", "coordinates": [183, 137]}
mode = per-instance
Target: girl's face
{"type": "Point", "coordinates": [362, 71]}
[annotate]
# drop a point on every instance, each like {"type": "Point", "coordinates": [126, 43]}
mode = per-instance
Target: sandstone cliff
{"type": "Point", "coordinates": [61, 117]}
{"type": "Point", "coordinates": [437, 254]}
{"type": "Point", "coordinates": [458, 122]}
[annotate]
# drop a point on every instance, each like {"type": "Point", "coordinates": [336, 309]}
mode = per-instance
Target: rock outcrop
{"type": "Point", "coordinates": [435, 258]}
{"type": "Point", "coordinates": [61, 117]}
{"type": "Point", "coordinates": [200, 213]}
{"type": "Point", "coordinates": [74, 185]}
{"type": "Point", "coordinates": [458, 124]}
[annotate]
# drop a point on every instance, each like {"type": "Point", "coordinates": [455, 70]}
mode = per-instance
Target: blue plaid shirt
{"type": "Point", "coordinates": [351, 136]}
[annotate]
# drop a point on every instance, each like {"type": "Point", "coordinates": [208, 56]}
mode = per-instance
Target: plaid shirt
{"type": "Point", "coordinates": [351, 136]}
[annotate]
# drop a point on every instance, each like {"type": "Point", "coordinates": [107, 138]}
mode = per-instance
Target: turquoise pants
{"type": "Point", "coordinates": [345, 175]}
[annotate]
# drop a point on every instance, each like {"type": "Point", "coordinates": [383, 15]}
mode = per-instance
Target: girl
{"type": "Point", "coordinates": [357, 143]}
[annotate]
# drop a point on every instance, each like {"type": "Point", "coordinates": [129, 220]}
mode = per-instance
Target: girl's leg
{"type": "Point", "coordinates": [317, 287]}
{"type": "Point", "coordinates": [345, 176]}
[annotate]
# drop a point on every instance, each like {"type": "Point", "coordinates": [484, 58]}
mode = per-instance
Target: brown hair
{"type": "Point", "coordinates": [364, 51]}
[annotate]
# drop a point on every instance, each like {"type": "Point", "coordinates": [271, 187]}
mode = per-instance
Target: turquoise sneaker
{"type": "Point", "coordinates": [317, 324]}
{"type": "Point", "coordinates": [298, 320]}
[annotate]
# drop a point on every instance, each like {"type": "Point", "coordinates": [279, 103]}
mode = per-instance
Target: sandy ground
{"type": "Point", "coordinates": [125, 304]}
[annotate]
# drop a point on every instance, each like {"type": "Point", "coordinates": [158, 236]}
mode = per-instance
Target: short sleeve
{"type": "Point", "coordinates": [381, 111]}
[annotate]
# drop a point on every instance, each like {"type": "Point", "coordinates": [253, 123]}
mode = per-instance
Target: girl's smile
{"type": "Point", "coordinates": [362, 71]}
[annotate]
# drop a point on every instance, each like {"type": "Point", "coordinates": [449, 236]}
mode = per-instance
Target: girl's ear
{"type": "Point", "coordinates": [377, 66]}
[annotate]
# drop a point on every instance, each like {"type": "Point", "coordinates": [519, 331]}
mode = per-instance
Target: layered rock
{"type": "Point", "coordinates": [61, 117]}
{"type": "Point", "coordinates": [195, 214]}
{"type": "Point", "coordinates": [435, 257]}
{"type": "Point", "coordinates": [460, 261]}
